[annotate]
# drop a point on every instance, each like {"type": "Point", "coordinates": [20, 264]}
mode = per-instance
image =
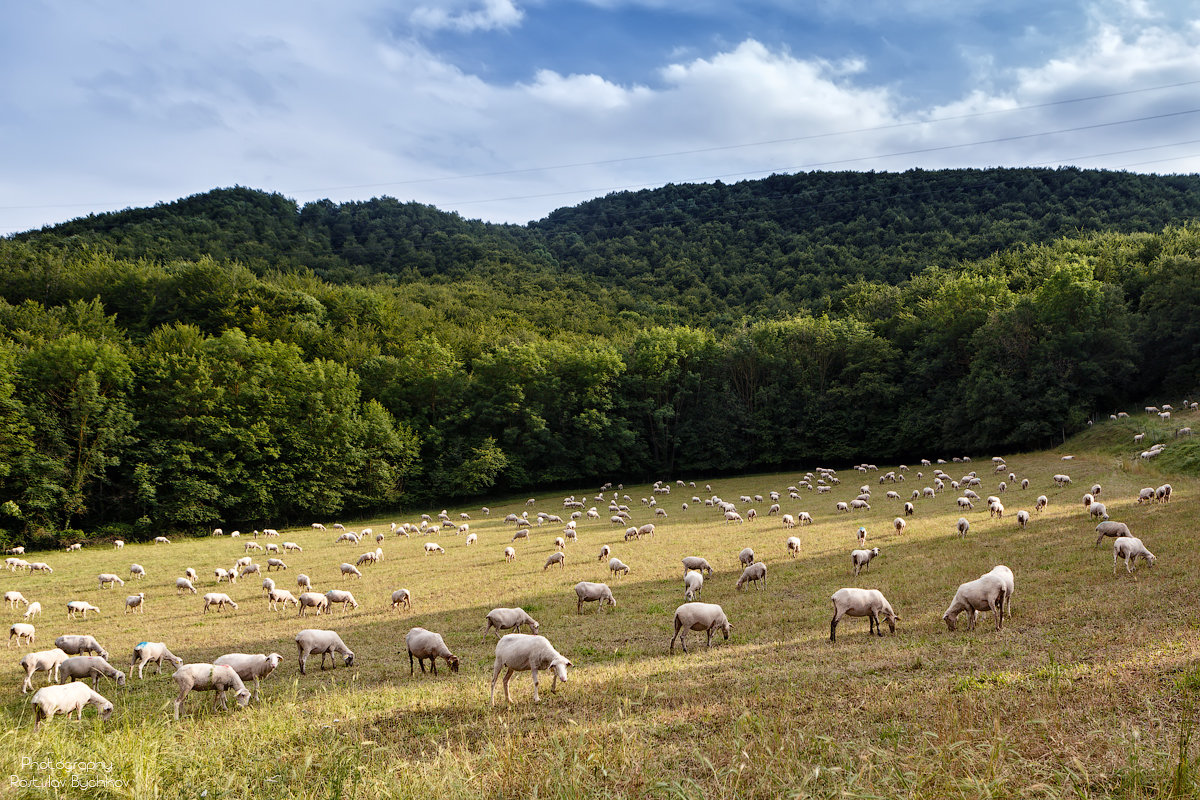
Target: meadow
{"type": "Point", "coordinates": [1090, 690]}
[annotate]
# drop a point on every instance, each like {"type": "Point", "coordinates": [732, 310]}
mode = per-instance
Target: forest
{"type": "Point", "coordinates": [233, 358]}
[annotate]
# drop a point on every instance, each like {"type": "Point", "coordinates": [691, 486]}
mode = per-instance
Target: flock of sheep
{"type": "Point", "coordinates": [78, 657]}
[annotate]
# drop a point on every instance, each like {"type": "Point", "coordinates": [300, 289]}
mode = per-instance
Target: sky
{"type": "Point", "coordinates": [504, 110]}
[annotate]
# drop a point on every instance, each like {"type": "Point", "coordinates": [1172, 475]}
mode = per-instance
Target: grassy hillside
{"type": "Point", "coordinates": [1088, 691]}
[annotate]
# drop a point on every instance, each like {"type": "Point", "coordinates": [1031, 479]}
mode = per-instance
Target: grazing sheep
{"type": "Point", "coordinates": [471, 539]}
{"type": "Point", "coordinates": [92, 667]}
{"type": "Point", "coordinates": [309, 600]}
{"type": "Point", "coordinates": [1010, 586]}
{"type": "Point", "coordinates": [963, 526]}
{"type": "Point", "coordinates": [588, 592]}
{"type": "Point", "coordinates": [965, 502]}
{"type": "Point", "coordinates": [1098, 509]}
{"type": "Point", "coordinates": [1163, 493]}
{"type": "Point", "coordinates": [75, 644]}
{"type": "Point", "coordinates": [909, 509]}
{"type": "Point", "coordinates": [401, 597]}
{"type": "Point", "coordinates": [523, 652]}
{"type": "Point", "coordinates": [851, 602]}
{"type": "Point", "coordinates": [219, 600]}
{"type": "Point", "coordinates": [899, 524]}
{"type": "Point", "coordinates": [275, 563]}
{"type": "Point", "coordinates": [12, 598]}
{"type": "Point", "coordinates": [1131, 548]}
{"type": "Point", "coordinates": [793, 546]}
{"type": "Point", "coordinates": [1041, 503]}
{"type": "Point", "coordinates": [510, 554]}
{"type": "Point", "coordinates": [862, 558]}
{"type": "Point", "coordinates": [1146, 495]}
{"type": "Point", "coordinates": [80, 607]}
{"type": "Point", "coordinates": [65, 699]}
{"type": "Point", "coordinates": [24, 633]}
{"type": "Point", "coordinates": [184, 585]}
{"type": "Point", "coordinates": [248, 569]}
{"type": "Point", "coordinates": [342, 597]}
{"type": "Point", "coordinates": [225, 575]}
{"type": "Point", "coordinates": [696, 563]}
{"type": "Point", "coordinates": [433, 547]}
{"type": "Point", "coordinates": [348, 536]}
{"type": "Point", "coordinates": [108, 580]}
{"type": "Point", "coordinates": [303, 581]}
{"type": "Point", "coordinates": [135, 602]}
{"type": "Point", "coordinates": [46, 661]}
{"type": "Point", "coordinates": [34, 609]}
{"type": "Point", "coordinates": [1023, 518]}
{"type": "Point", "coordinates": [1111, 528]}
{"type": "Point", "coordinates": [292, 547]}
{"type": "Point", "coordinates": [996, 510]}
{"type": "Point", "coordinates": [276, 597]}
{"type": "Point", "coordinates": [250, 666]}
{"type": "Point", "coordinates": [560, 543]}
{"type": "Point", "coordinates": [161, 540]}
{"type": "Point", "coordinates": [788, 521]}
{"type": "Point", "coordinates": [617, 567]}
{"type": "Point", "coordinates": [693, 584]}
{"type": "Point", "coordinates": [38, 566]}
{"type": "Point", "coordinates": [422, 644]}
{"type": "Point", "coordinates": [753, 574]}
{"type": "Point", "coordinates": [503, 619]}
{"type": "Point", "coordinates": [555, 558]}
{"type": "Point", "coordinates": [699, 617]}
{"type": "Point", "coordinates": [804, 518]}
{"type": "Point", "coordinates": [350, 569]}
{"type": "Point", "coordinates": [1062, 480]}
{"type": "Point", "coordinates": [861, 535]}
{"type": "Point", "coordinates": [367, 558]}
{"type": "Point", "coordinates": [210, 678]}
{"type": "Point", "coordinates": [746, 557]}
{"type": "Point", "coordinates": [985, 593]}
{"type": "Point", "coordinates": [267, 585]}
{"type": "Point", "coordinates": [246, 548]}
{"type": "Point", "coordinates": [325, 643]}
{"type": "Point", "coordinates": [605, 550]}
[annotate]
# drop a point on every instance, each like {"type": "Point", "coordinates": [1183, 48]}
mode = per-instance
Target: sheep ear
{"type": "Point", "coordinates": [569, 664]}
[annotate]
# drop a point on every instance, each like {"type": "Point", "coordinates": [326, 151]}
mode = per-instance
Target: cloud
{"type": "Point", "coordinates": [490, 15]}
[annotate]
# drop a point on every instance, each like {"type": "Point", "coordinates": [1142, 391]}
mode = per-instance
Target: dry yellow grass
{"type": "Point", "coordinates": [1088, 691]}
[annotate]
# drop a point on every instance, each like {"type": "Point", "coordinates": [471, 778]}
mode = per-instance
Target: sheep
{"type": "Point", "coordinates": [471, 539]}
{"type": "Point", "coordinates": [16, 551]}
{"type": "Point", "coordinates": [423, 644]}
{"type": "Point", "coordinates": [1023, 518]}
{"type": "Point", "coordinates": [350, 569]}
{"type": "Point", "coordinates": [249, 569]}
{"type": "Point", "coordinates": [793, 546]}
{"type": "Point", "coordinates": [145, 652]}
{"type": "Point", "coordinates": [90, 667]}
{"type": "Point", "coordinates": [1010, 586]}
{"type": "Point", "coordinates": [135, 602]}
{"type": "Point", "coordinates": [909, 509]}
{"type": "Point", "coordinates": [617, 567]}
{"type": "Point", "coordinates": [804, 518]}
{"type": "Point", "coordinates": [605, 550]}
{"type": "Point", "coordinates": [996, 509]}
{"type": "Point", "coordinates": [433, 547]}
{"type": "Point", "coordinates": [587, 592]}
{"type": "Point", "coordinates": [161, 540]}
{"type": "Point", "coordinates": [401, 597]}
{"type": "Point", "coordinates": [753, 574]}
{"type": "Point", "coordinates": [1130, 548]}
{"type": "Point", "coordinates": [340, 596]}
{"type": "Point", "coordinates": [108, 580]}
{"type": "Point", "coordinates": [963, 526]}
{"type": "Point", "coordinates": [862, 558]}
{"type": "Point", "coordinates": [1096, 488]}
{"type": "Point", "coordinates": [746, 557]}
{"type": "Point", "coordinates": [246, 548]}
{"type": "Point", "coordinates": [309, 600]}
{"type": "Point", "coordinates": [275, 597]}
{"type": "Point", "coordinates": [303, 581]}
{"type": "Point", "coordinates": [39, 566]}
{"type": "Point", "coordinates": [348, 536]}
{"type": "Point", "coordinates": [505, 618]}
{"type": "Point", "coordinates": [225, 575]}
{"type": "Point", "coordinates": [985, 593]}
{"type": "Point", "coordinates": [12, 598]}
{"type": "Point", "coordinates": [76, 644]}
{"type": "Point", "coordinates": [1062, 480]}
{"type": "Point", "coordinates": [1163, 493]}
{"type": "Point", "coordinates": [210, 678]}
{"type": "Point", "coordinates": [292, 547]}
{"type": "Point", "coordinates": [1098, 509]}
{"type": "Point", "coordinates": [965, 502]}
{"type": "Point", "coordinates": [696, 563]}
{"type": "Point", "coordinates": [267, 585]}
{"type": "Point", "coordinates": [560, 543]}
{"type": "Point", "coordinates": [899, 524]}
{"type": "Point", "coordinates": [1041, 503]}
{"type": "Point", "coordinates": [699, 617]}
{"type": "Point", "coordinates": [1146, 495]}
{"type": "Point", "coordinates": [843, 507]}
{"type": "Point", "coordinates": [325, 643]}
{"type": "Point", "coordinates": [510, 554]}
{"type": "Point", "coordinates": [250, 667]}
{"type": "Point", "coordinates": [34, 609]}
{"type": "Point", "coordinates": [861, 535]}
{"type": "Point", "coordinates": [219, 600]}
{"type": "Point", "coordinates": [851, 602]}
{"type": "Point", "coordinates": [46, 661]}
{"type": "Point", "coordinates": [367, 558]}
{"type": "Point", "coordinates": [272, 548]}
{"type": "Point", "coordinates": [23, 631]}
{"type": "Point", "coordinates": [1088, 499]}
{"type": "Point", "coordinates": [521, 652]}
{"type": "Point", "coordinates": [788, 521]}
{"type": "Point", "coordinates": [51, 700]}
{"type": "Point", "coordinates": [80, 607]}
{"type": "Point", "coordinates": [693, 584]}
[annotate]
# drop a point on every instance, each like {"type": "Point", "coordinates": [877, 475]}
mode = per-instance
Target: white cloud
{"type": "Point", "coordinates": [490, 15]}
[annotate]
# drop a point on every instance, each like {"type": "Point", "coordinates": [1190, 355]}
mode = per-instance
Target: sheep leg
{"type": "Point", "coordinates": [1127, 567]}
{"type": "Point", "coordinates": [998, 612]}
{"type": "Point", "coordinates": [432, 665]}
{"type": "Point", "coordinates": [495, 674]}
{"type": "Point", "coordinates": [533, 673]}
{"type": "Point", "coordinates": [411, 670]}
{"type": "Point", "coordinates": [219, 700]}
{"type": "Point", "coordinates": [833, 626]}
{"type": "Point", "coordinates": [710, 638]}
{"type": "Point", "coordinates": [183, 692]}
{"type": "Point", "coordinates": [508, 676]}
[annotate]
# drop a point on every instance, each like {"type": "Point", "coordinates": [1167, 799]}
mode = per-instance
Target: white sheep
{"type": "Point", "coordinates": [340, 596]}
{"type": "Point", "coordinates": [161, 540]}
{"type": "Point", "coordinates": [80, 607]}
{"type": "Point", "coordinates": [746, 557]}
{"type": "Point", "coordinates": [699, 617]}
{"type": "Point", "coordinates": [75, 643]}
{"type": "Point", "coordinates": [617, 567]}
{"type": "Point", "coordinates": [587, 592]}
{"type": "Point", "coordinates": [524, 652]}
{"type": "Point", "coordinates": [804, 518]}
{"type": "Point", "coordinates": [325, 643]}
{"type": "Point", "coordinates": [225, 575]}
{"type": "Point", "coordinates": [23, 632]}
{"type": "Point", "coordinates": [1023, 518]}
{"type": "Point", "coordinates": [1062, 480]}
{"type": "Point", "coordinates": [696, 563]}
{"type": "Point", "coordinates": [209, 678]}
{"type": "Point", "coordinates": [793, 546]}
{"type": "Point", "coordinates": [303, 581]}
{"type": "Point", "coordinates": [605, 550]}
{"type": "Point", "coordinates": [433, 547]}
{"type": "Point", "coordinates": [65, 699]}
{"type": "Point", "coordinates": [1010, 586]}
{"type": "Point", "coordinates": [92, 667]}
{"type": "Point", "coordinates": [860, 559]}
{"type": "Point", "coordinates": [34, 609]}
{"type": "Point", "coordinates": [367, 558]}
{"type": "Point", "coordinates": [510, 554]}
{"type": "Point", "coordinates": [250, 666]}
{"type": "Point", "coordinates": [277, 597]}
{"type": "Point", "coordinates": [963, 526]}
{"type": "Point", "coordinates": [985, 593]}
{"type": "Point", "coordinates": [1041, 503]}
{"type": "Point", "coordinates": [401, 597]}
{"type": "Point", "coordinates": [471, 539]}
{"type": "Point", "coordinates": [1131, 548]}
{"type": "Point", "coordinates": [755, 573]}
{"type": "Point", "coordinates": [693, 585]}
{"type": "Point", "coordinates": [46, 661]}
{"type": "Point", "coordinates": [184, 585]}
{"type": "Point", "coordinates": [292, 547]}
{"type": "Point", "coordinates": [555, 558]}
{"type": "Point", "coordinates": [852, 602]}
{"type": "Point", "coordinates": [218, 599]}
{"type": "Point", "coordinates": [145, 652]}
{"type": "Point", "coordinates": [422, 644]}
{"type": "Point", "coordinates": [1163, 493]}
{"type": "Point", "coordinates": [108, 580]}
{"type": "Point", "coordinates": [135, 602]}
{"type": "Point", "coordinates": [350, 569]}
{"type": "Point", "coordinates": [12, 598]}
{"type": "Point", "coordinates": [309, 600]}
{"type": "Point", "coordinates": [1098, 509]}
{"type": "Point", "coordinates": [1111, 528]}
{"type": "Point", "coordinates": [503, 619]}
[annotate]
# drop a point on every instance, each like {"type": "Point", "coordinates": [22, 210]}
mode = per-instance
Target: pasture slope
{"type": "Point", "coordinates": [1090, 690]}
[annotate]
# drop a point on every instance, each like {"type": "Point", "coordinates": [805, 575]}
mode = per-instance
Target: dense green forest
{"type": "Point", "coordinates": [233, 358]}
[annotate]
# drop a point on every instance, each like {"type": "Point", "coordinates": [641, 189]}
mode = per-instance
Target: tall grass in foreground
{"type": "Point", "coordinates": [1090, 690]}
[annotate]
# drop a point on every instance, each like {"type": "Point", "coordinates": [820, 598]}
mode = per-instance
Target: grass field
{"type": "Point", "coordinates": [1090, 690]}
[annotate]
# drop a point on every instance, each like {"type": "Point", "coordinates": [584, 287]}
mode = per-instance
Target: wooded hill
{"type": "Point", "coordinates": [232, 358]}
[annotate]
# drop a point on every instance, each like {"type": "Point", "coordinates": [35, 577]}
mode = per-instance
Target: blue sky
{"type": "Point", "coordinates": [507, 109]}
